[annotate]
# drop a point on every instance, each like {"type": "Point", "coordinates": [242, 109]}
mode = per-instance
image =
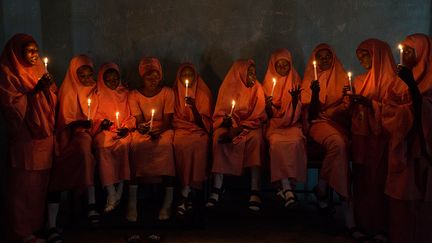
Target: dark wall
{"type": "Point", "coordinates": [211, 34]}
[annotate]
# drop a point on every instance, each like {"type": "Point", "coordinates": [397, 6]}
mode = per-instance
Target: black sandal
{"type": "Point", "coordinates": [358, 239]}
{"type": "Point", "coordinates": [184, 206]}
{"type": "Point", "coordinates": [93, 215]}
{"type": "Point", "coordinates": [255, 206]}
{"type": "Point", "coordinates": [212, 202]}
{"type": "Point", "coordinates": [54, 236]}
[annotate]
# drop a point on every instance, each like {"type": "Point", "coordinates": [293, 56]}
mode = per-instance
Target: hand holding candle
{"type": "Point", "coordinates": [117, 119]}
{"type": "Point", "coordinates": [400, 54]}
{"type": "Point", "coordinates": [89, 108]}
{"type": "Point", "coordinates": [151, 119]}
{"type": "Point", "coordinates": [232, 108]}
{"type": "Point", "coordinates": [45, 61]}
{"type": "Point", "coordinates": [274, 85]}
{"type": "Point", "coordinates": [315, 70]}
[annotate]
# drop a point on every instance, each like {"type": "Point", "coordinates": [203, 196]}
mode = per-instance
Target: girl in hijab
{"type": "Point", "coordinates": [27, 100]}
{"type": "Point", "coordinates": [326, 121]}
{"type": "Point", "coordinates": [288, 161]}
{"type": "Point", "coordinates": [237, 139]}
{"type": "Point", "coordinates": [369, 142]}
{"type": "Point", "coordinates": [409, 179]}
{"type": "Point", "coordinates": [74, 165]}
{"type": "Point", "coordinates": [192, 125]}
{"type": "Point", "coordinates": [113, 139]}
{"type": "Point", "coordinates": [151, 147]}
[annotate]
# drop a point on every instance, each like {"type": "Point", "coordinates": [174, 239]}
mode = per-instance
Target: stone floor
{"type": "Point", "coordinates": [230, 222]}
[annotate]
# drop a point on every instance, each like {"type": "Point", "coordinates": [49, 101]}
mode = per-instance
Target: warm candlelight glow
{"type": "Point", "coordinates": [187, 86]}
{"type": "Point", "coordinates": [400, 54]}
{"type": "Point", "coordinates": [350, 82]}
{"type": "Point", "coordinates": [315, 69]}
{"type": "Point", "coordinates": [274, 85]}
{"type": "Point", "coordinates": [151, 119]}
{"type": "Point", "coordinates": [117, 119]}
{"type": "Point", "coordinates": [45, 61]}
{"type": "Point", "coordinates": [232, 107]}
{"type": "Point", "coordinates": [88, 105]}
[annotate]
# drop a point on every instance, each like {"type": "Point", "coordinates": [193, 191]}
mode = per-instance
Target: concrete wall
{"type": "Point", "coordinates": [211, 34]}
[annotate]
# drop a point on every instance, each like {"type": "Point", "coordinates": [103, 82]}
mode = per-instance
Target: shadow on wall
{"type": "Point", "coordinates": [57, 35]}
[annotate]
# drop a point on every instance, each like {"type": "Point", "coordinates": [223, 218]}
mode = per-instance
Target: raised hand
{"type": "Point", "coordinates": [315, 86]}
{"type": "Point", "coordinates": [44, 82]}
{"type": "Point", "coordinates": [406, 75]}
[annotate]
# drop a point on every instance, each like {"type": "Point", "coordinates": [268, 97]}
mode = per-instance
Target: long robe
{"type": "Point", "coordinates": [245, 150]}
{"type": "Point", "coordinates": [111, 151]}
{"type": "Point", "coordinates": [191, 142]}
{"type": "Point", "coordinates": [287, 149]}
{"type": "Point", "coordinates": [369, 141]}
{"type": "Point", "coordinates": [152, 157]}
{"type": "Point", "coordinates": [75, 164]}
{"type": "Point", "coordinates": [29, 118]}
{"type": "Point", "coordinates": [409, 179]}
{"type": "Point", "coordinates": [330, 129]}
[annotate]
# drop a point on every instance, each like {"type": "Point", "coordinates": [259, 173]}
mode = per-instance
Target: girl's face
{"type": "Point", "coordinates": [187, 73]}
{"type": "Point", "coordinates": [30, 53]}
{"type": "Point", "coordinates": [151, 80]}
{"type": "Point", "coordinates": [283, 67]}
{"type": "Point", "coordinates": [364, 58]}
{"type": "Point", "coordinates": [251, 76]}
{"type": "Point", "coordinates": [111, 78]}
{"type": "Point", "coordinates": [324, 59]}
{"type": "Point", "coordinates": [409, 57]}
{"type": "Point", "coordinates": [85, 75]}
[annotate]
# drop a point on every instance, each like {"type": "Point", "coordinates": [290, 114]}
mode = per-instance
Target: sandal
{"type": "Point", "coordinates": [110, 206]}
{"type": "Point", "coordinates": [211, 201]}
{"type": "Point", "coordinates": [153, 238]}
{"type": "Point", "coordinates": [54, 236]}
{"type": "Point", "coordinates": [255, 205]}
{"type": "Point", "coordinates": [183, 206]}
{"type": "Point", "coordinates": [93, 216]}
{"type": "Point", "coordinates": [134, 239]}
{"type": "Point", "coordinates": [288, 201]}
{"type": "Point", "coordinates": [357, 235]}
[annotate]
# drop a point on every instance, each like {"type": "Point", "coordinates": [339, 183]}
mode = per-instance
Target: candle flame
{"type": "Point", "coordinates": [274, 81]}
{"type": "Point", "coordinates": [314, 63]}
{"type": "Point", "coordinates": [349, 74]}
{"type": "Point", "coordinates": [400, 47]}
{"type": "Point", "coordinates": [88, 101]}
{"type": "Point", "coordinates": [153, 112]}
{"type": "Point", "coordinates": [117, 114]}
{"type": "Point", "coordinates": [187, 83]}
{"type": "Point", "coordinates": [233, 103]}
{"type": "Point", "coordinates": [45, 60]}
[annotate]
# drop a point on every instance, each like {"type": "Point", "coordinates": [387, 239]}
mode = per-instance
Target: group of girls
{"type": "Point", "coordinates": [59, 139]}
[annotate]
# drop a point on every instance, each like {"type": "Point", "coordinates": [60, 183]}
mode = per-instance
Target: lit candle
{"type": "Point", "coordinates": [232, 107]}
{"type": "Point", "coordinates": [117, 119]}
{"type": "Point", "coordinates": [151, 119]}
{"type": "Point", "coordinates": [315, 70]}
{"type": "Point", "coordinates": [274, 84]}
{"type": "Point", "coordinates": [401, 54]}
{"type": "Point", "coordinates": [89, 106]}
{"type": "Point", "coordinates": [187, 86]}
{"type": "Point", "coordinates": [350, 82]}
{"type": "Point", "coordinates": [45, 61]}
